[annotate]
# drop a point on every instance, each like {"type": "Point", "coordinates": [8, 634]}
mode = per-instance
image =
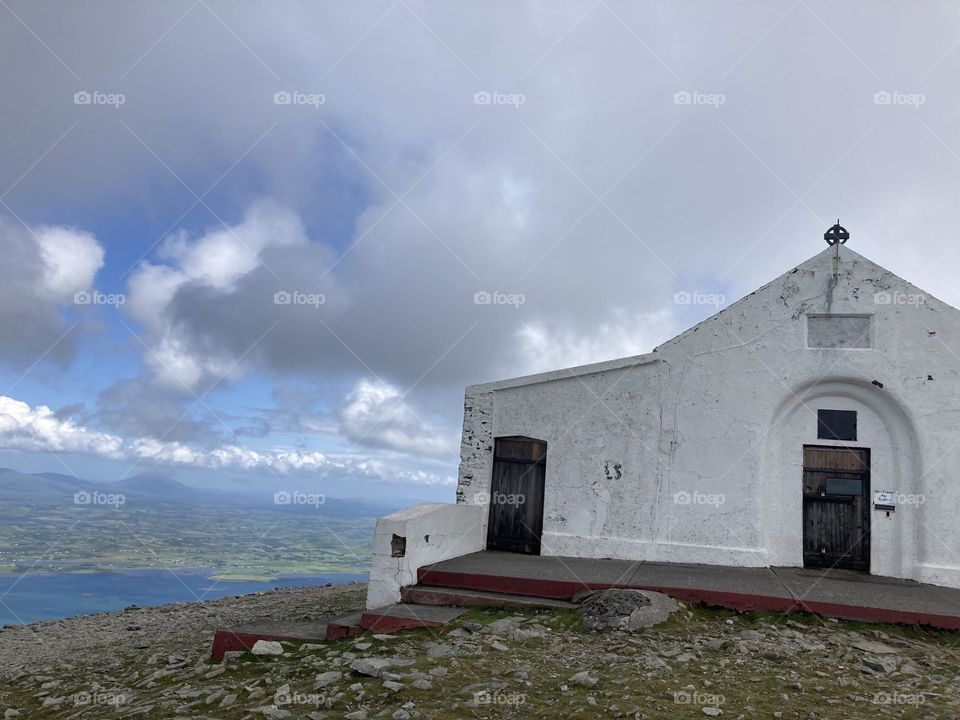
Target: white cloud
{"type": "Point", "coordinates": [376, 414]}
{"type": "Point", "coordinates": [38, 429]}
{"type": "Point", "coordinates": [232, 457]}
{"type": "Point", "coordinates": [224, 254]}
{"type": "Point", "coordinates": [542, 348]}
{"type": "Point", "coordinates": [214, 262]}
{"type": "Point", "coordinates": [419, 477]}
{"type": "Point", "coordinates": [151, 289]}
{"type": "Point", "coordinates": [41, 270]}
{"type": "Point", "coordinates": [71, 260]}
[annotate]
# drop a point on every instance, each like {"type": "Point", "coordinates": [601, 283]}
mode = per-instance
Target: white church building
{"type": "Point", "coordinates": [815, 422]}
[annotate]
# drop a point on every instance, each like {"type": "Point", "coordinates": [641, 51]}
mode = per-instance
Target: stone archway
{"type": "Point", "coordinates": [886, 429]}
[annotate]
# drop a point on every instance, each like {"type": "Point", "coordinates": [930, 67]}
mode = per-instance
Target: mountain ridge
{"type": "Point", "coordinates": [153, 487]}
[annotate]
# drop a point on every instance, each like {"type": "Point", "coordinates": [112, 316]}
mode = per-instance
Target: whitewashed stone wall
{"type": "Point", "coordinates": [693, 453]}
{"type": "Point", "coordinates": [407, 540]}
{"type": "Point", "coordinates": [476, 449]}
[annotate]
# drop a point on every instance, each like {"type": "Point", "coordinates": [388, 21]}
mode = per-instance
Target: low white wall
{"type": "Point", "coordinates": [433, 532]}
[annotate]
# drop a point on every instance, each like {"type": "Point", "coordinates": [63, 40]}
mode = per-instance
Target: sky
{"type": "Point", "coordinates": [269, 244]}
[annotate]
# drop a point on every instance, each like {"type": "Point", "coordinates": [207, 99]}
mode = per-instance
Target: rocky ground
{"type": "Point", "coordinates": [508, 663]}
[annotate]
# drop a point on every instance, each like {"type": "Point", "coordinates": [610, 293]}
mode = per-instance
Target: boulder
{"type": "Point", "coordinates": [630, 610]}
{"type": "Point", "coordinates": [327, 678]}
{"type": "Point", "coordinates": [881, 663]}
{"type": "Point", "coordinates": [584, 679]}
{"type": "Point", "coordinates": [873, 647]}
{"type": "Point", "coordinates": [267, 647]}
{"type": "Point", "coordinates": [370, 666]}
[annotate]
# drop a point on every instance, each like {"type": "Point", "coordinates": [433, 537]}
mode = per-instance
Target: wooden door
{"type": "Point", "coordinates": [836, 507]}
{"type": "Point", "coordinates": [516, 495]}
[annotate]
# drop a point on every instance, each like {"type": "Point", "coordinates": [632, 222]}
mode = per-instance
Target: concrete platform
{"type": "Point", "coordinates": [834, 593]}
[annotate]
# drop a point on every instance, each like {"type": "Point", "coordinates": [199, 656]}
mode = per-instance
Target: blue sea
{"type": "Point", "coordinates": [52, 596]}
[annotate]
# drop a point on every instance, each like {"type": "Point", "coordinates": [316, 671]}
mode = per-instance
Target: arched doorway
{"type": "Point", "coordinates": [807, 470]}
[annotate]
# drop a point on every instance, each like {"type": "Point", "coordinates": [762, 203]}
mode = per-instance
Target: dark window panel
{"type": "Point", "coordinates": [837, 424]}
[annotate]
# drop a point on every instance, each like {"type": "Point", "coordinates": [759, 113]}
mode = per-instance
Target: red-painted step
{"type": "Point", "coordinates": [530, 587]}
{"type": "Point", "coordinates": [244, 637]}
{"type": "Point", "coordinates": [404, 616]}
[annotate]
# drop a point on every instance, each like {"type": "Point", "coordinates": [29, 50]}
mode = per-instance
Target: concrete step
{"type": "Point", "coordinates": [488, 581]}
{"type": "Point", "coordinates": [403, 616]}
{"type": "Point", "coordinates": [243, 637]}
{"type": "Point", "coordinates": [456, 597]}
{"type": "Point", "coordinates": [344, 626]}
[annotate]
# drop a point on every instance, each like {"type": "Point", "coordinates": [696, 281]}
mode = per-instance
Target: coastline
{"type": "Point", "coordinates": [44, 596]}
{"type": "Point", "coordinates": [212, 573]}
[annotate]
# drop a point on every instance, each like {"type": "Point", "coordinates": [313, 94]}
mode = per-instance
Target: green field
{"type": "Point", "coordinates": [238, 543]}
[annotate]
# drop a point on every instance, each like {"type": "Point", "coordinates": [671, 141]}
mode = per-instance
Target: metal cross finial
{"type": "Point", "coordinates": [836, 234]}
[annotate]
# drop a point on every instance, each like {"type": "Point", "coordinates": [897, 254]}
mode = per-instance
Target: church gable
{"type": "Point", "coordinates": [828, 302]}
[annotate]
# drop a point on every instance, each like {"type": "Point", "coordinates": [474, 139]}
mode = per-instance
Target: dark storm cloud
{"type": "Point", "coordinates": [141, 408]}
{"type": "Point", "coordinates": [41, 271]}
{"type": "Point", "coordinates": [528, 185]}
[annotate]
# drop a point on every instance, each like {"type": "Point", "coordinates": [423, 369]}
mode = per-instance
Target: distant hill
{"type": "Point", "coordinates": [155, 485]}
{"type": "Point", "coordinates": [39, 488]}
{"type": "Point", "coordinates": [59, 489]}
{"type": "Point", "coordinates": [151, 488]}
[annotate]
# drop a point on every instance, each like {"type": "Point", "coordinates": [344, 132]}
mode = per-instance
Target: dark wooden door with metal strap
{"type": "Point", "coordinates": [516, 495]}
{"type": "Point", "coordinates": [836, 507]}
